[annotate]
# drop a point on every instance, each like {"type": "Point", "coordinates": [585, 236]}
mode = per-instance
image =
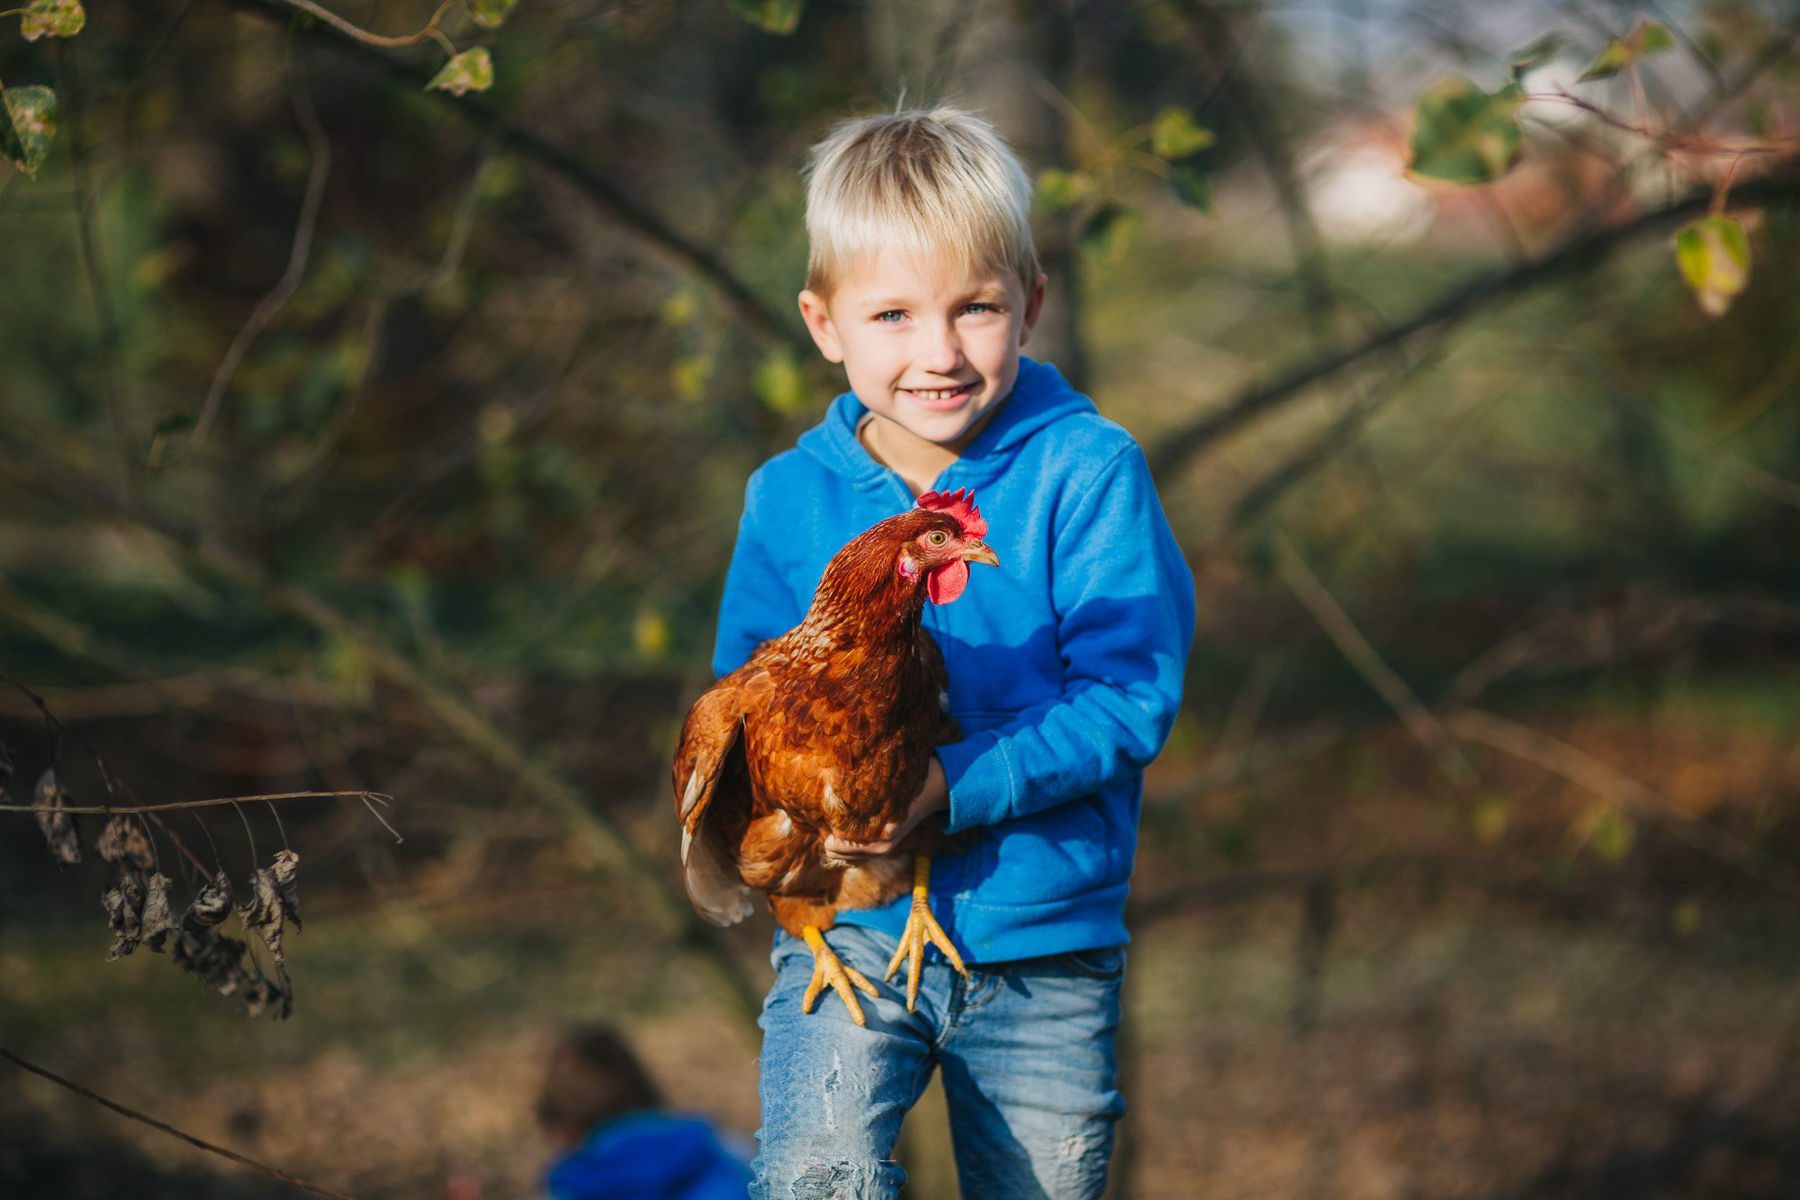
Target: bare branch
{"type": "Point", "coordinates": [775, 325]}
{"type": "Point", "coordinates": [272, 303]}
{"type": "Point", "coordinates": [1613, 785]}
{"type": "Point", "coordinates": [164, 1127]}
{"type": "Point", "coordinates": [1579, 252]}
{"type": "Point", "coordinates": [101, 810]}
{"type": "Point", "coordinates": [1356, 648]}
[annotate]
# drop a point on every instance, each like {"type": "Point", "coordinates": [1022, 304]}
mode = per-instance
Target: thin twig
{"type": "Point", "coordinates": [164, 1127]}
{"type": "Point", "coordinates": [1356, 648]}
{"type": "Point", "coordinates": [338, 23]}
{"type": "Point", "coordinates": [175, 805]}
{"type": "Point", "coordinates": [284, 288]}
{"type": "Point", "coordinates": [778, 325]}
{"type": "Point", "coordinates": [1577, 252]}
{"type": "Point", "coordinates": [1614, 786]}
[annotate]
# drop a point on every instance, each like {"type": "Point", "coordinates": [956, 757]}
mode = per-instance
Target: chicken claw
{"type": "Point", "coordinates": [921, 927]}
{"type": "Point", "coordinates": [828, 968]}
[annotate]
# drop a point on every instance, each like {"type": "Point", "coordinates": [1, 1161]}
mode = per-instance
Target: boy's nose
{"type": "Point", "coordinates": [942, 348]}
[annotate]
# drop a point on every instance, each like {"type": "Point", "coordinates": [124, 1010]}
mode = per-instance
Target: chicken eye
{"type": "Point", "coordinates": [936, 537]}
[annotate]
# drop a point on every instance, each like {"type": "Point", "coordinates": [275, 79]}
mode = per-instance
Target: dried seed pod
{"type": "Point", "coordinates": [264, 993]}
{"type": "Point", "coordinates": [215, 958]}
{"type": "Point", "coordinates": [261, 914]}
{"type": "Point", "coordinates": [286, 869]}
{"type": "Point", "coordinates": [58, 826]}
{"type": "Point", "coordinates": [124, 902]}
{"type": "Point", "coordinates": [123, 840]}
{"type": "Point", "coordinates": [159, 918]}
{"type": "Point", "coordinates": [210, 906]}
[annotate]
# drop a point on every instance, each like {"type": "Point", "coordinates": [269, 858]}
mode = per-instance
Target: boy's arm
{"type": "Point", "coordinates": [757, 603]}
{"type": "Point", "coordinates": [1125, 600]}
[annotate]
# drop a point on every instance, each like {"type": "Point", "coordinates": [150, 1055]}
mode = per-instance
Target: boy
{"type": "Point", "coordinates": [599, 1108]}
{"type": "Point", "coordinates": [1065, 674]}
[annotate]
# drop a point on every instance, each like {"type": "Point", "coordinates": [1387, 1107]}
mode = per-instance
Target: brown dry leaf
{"type": "Point", "coordinates": [58, 826]}
{"type": "Point", "coordinates": [211, 904]}
{"type": "Point", "coordinates": [261, 913]}
{"type": "Point", "coordinates": [124, 902]}
{"type": "Point", "coordinates": [264, 992]}
{"type": "Point", "coordinates": [286, 869]}
{"type": "Point", "coordinates": [159, 918]}
{"type": "Point", "coordinates": [123, 840]}
{"type": "Point", "coordinates": [215, 958]}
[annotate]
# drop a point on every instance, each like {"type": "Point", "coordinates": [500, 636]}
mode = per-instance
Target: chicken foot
{"type": "Point", "coordinates": [829, 969]}
{"type": "Point", "coordinates": [921, 927]}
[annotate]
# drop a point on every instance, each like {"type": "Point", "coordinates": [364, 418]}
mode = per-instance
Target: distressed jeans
{"type": "Point", "coordinates": [1026, 1050]}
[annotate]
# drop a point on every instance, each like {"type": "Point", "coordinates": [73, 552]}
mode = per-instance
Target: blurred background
{"type": "Point", "coordinates": [356, 436]}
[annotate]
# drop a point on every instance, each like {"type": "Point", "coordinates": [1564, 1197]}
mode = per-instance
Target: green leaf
{"type": "Point", "coordinates": [1490, 817]}
{"type": "Point", "coordinates": [1613, 834]}
{"type": "Point", "coordinates": [27, 124]}
{"type": "Point", "coordinates": [1645, 39]}
{"type": "Point", "coordinates": [490, 14]}
{"type": "Point", "coordinates": [1191, 188]}
{"type": "Point", "coordinates": [1109, 232]}
{"type": "Point", "coordinates": [470, 71]}
{"type": "Point", "coordinates": [770, 16]}
{"type": "Point", "coordinates": [780, 384]}
{"type": "Point", "coordinates": [1058, 191]}
{"type": "Point", "coordinates": [1714, 256]}
{"type": "Point", "coordinates": [52, 18]}
{"type": "Point", "coordinates": [1176, 134]}
{"type": "Point", "coordinates": [166, 429]}
{"type": "Point", "coordinates": [1465, 135]}
{"type": "Point", "coordinates": [1535, 55]}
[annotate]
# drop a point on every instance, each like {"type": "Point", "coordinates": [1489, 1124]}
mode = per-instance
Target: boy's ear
{"type": "Point", "coordinates": [1034, 307]}
{"type": "Point", "coordinates": [818, 323]}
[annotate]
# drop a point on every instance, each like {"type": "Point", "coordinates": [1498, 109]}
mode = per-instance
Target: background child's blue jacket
{"type": "Point", "coordinates": [649, 1156]}
{"type": "Point", "coordinates": [1065, 663]}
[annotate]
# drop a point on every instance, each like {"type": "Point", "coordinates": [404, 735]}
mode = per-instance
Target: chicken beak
{"type": "Point", "coordinates": [976, 550]}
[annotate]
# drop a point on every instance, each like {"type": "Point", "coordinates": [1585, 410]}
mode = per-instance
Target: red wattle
{"type": "Point", "coordinates": [947, 582]}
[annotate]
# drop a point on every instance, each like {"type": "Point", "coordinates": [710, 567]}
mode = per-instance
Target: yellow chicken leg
{"type": "Point", "coordinates": [921, 927]}
{"type": "Point", "coordinates": [829, 969]}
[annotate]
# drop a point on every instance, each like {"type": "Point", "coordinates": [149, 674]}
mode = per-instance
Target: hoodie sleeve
{"type": "Point", "coordinates": [1124, 603]}
{"type": "Point", "coordinates": [757, 603]}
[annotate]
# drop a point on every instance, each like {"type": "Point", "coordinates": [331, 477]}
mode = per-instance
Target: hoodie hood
{"type": "Point", "coordinates": [646, 1155]}
{"type": "Point", "coordinates": [1040, 396]}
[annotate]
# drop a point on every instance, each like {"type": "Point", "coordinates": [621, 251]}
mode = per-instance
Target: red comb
{"type": "Point", "coordinates": [959, 504]}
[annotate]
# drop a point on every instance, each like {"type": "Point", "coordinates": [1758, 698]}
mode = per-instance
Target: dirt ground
{"type": "Point", "coordinates": [1348, 980]}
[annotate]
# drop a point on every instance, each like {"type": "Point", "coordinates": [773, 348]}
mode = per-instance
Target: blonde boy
{"type": "Point", "coordinates": [1065, 670]}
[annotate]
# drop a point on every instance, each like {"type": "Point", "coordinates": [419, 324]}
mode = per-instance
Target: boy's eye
{"type": "Point", "coordinates": [890, 316]}
{"type": "Point", "coordinates": [980, 307]}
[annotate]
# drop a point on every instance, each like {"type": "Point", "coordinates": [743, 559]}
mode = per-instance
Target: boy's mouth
{"type": "Point", "coordinates": [940, 398]}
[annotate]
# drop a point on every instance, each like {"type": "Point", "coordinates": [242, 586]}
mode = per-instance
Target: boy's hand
{"type": "Point", "coordinates": [933, 797]}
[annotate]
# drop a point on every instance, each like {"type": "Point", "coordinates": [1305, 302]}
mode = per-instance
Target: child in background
{"type": "Point", "coordinates": [1065, 672]}
{"type": "Point", "coordinates": [601, 1111]}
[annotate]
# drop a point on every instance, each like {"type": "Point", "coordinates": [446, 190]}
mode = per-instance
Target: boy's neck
{"type": "Point", "coordinates": [917, 461]}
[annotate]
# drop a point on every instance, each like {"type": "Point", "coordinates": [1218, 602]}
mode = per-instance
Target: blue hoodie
{"type": "Point", "coordinates": [1065, 663]}
{"type": "Point", "coordinates": [649, 1156]}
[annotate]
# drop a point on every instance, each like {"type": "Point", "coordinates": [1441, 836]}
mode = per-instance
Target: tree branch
{"type": "Point", "coordinates": [164, 1127]}
{"type": "Point", "coordinates": [600, 191]}
{"type": "Point", "coordinates": [1585, 250]}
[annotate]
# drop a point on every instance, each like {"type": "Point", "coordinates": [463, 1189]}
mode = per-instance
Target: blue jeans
{"type": "Point", "coordinates": [1026, 1050]}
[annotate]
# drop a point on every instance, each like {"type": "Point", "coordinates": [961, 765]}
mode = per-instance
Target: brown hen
{"type": "Point", "coordinates": [829, 729]}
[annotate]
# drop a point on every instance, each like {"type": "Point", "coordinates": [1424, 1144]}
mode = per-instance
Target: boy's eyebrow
{"type": "Point", "coordinates": [987, 292]}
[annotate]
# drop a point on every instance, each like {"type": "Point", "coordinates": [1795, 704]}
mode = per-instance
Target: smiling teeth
{"type": "Point", "coordinates": [934, 393]}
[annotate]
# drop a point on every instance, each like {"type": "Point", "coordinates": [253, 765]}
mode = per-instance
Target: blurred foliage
{"type": "Point", "coordinates": [359, 435]}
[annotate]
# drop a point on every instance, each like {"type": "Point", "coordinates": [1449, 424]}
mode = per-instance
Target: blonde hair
{"type": "Point", "coordinates": [923, 184]}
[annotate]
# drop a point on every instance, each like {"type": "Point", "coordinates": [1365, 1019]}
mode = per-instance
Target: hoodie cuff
{"type": "Point", "coordinates": [980, 780]}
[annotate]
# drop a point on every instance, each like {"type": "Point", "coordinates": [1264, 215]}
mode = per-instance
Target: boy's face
{"type": "Point", "coordinates": [926, 345]}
